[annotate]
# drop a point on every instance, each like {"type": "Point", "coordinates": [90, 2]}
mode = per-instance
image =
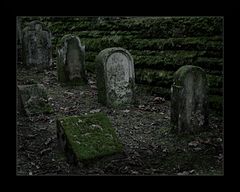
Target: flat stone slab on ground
{"type": "Point", "coordinates": [87, 137]}
{"type": "Point", "coordinates": [32, 99]}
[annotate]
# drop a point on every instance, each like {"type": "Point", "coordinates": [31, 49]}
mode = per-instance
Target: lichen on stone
{"type": "Point", "coordinates": [34, 99]}
{"type": "Point", "coordinates": [90, 136]}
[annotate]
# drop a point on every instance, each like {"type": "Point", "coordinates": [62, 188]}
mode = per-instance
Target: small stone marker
{"type": "Point", "coordinates": [71, 61]}
{"type": "Point", "coordinates": [37, 46]}
{"type": "Point", "coordinates": [87, 137]}
{"type": "Point", "coordinates": [189, 103]}
{"type": "Point", "coordinates": [32, 99]}
{"type": "Point", "coordinates": [115, 77]}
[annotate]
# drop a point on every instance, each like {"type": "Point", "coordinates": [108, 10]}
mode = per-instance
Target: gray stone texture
{"type": "Point", "coordinates": [71, 61]}
{"type": "Point", "coordinates": [37, 46]}
{"type": "Point", "coordinates": [189, 102]}
{"type": "Point", "coordinates": [32, 99]}
{"type": "Point", "coordinates": [115, 77]}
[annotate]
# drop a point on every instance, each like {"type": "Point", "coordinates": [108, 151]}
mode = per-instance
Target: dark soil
{"type": "Point", "coordinates": [143, 128]}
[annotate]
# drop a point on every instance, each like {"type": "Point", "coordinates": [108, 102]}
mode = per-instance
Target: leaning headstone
{"type": "Point", "coordinates": [115, 77]}
{"type": "Point", "coordinates": [37, 46]}
{"type": "Point", "coordinates": [71, 61]}
{"type": "Point", "coordinates": [32, 99]}
{"type": "Point", "coordinates": [189, 102]}
{"type": "Point", "coordinates": [87, 138]}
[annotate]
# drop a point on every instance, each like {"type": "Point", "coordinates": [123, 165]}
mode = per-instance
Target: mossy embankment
{"type": "Point", "coordinates": [159, 45]}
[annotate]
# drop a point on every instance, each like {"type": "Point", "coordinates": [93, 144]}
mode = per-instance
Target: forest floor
{"type": "Point", "coordinates": [143, 128]}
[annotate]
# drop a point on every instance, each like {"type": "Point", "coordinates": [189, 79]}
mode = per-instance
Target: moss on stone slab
{"type": "Point", "coordinates": [90, 136]}
{"type": "Point", "coordinates": [34, 99]}
{"type": "Point", "coordinates": [90, 56]}
{"type": "Point", "coordinates": [164, 79]}
{"type": "Point", "coordinates": [215, 81]}
{"type": "Point", "coordinates": [209, 63]}
{"type": "Point", "coordinates": [129, 42]}
{"type": "Point", "coordinates": [163, 43]}
{"type": "Point", "coordinates": [153, 90]}
{"type": "Point", "coordinates": [146, 30]}
{"type": "Point", "coordinates": [216, 91]}
{"type": "Point", "coordinates": [37, 106]}
{"type": "Point", "coordinates": [148, 26]}
{"type": "Point", "coordinates": [154, 77]}
{"type": "Point", "coordinates": [167, 60]}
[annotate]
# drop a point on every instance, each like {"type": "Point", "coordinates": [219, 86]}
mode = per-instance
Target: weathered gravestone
{"type": "Point", "coordinates": [87, 137]}
{"type": "Point", "coordinates": [189, 102]}
{"type": "Point", "coordinates": [37, 46]}
{"type": "Point", "coordinates": [115, 77]}
{"type": "Point", "coordinates": [71, 61]}
{"type": "Point", "coordinates": [32, 99]}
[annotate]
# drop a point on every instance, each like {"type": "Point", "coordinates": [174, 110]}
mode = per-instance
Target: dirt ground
{"type": "Point", "coordinates": [144, 129]}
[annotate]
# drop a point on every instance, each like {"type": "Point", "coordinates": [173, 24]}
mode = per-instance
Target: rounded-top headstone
{"type": "Point", "coordinates": [71, 61]}
{"type": "Point", "coordinates": [37, 46]}
{"type": "Point", "coordinates": [115, 77]}
{"type": "Point", "coordinates": [189, 102]}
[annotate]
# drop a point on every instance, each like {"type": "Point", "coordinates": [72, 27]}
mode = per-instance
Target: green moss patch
{"type": "Point", "coordinates": [216, 103]}
{"type": "Point", "coordinates": [90, 136]}
{"type": "Point", "coordinates": [37, 106]}
{"type": "Point", "coordinates": [215, 81]}
{"type": "Point", "coordinates": [154, 77]}
{"type": "Point", "coordinates": [34, 99]}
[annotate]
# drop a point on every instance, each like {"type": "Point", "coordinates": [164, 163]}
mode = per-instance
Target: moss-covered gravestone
{"type": "Point", "coordinates": [71, 61]}
{"type": "Point", "coordinates": [32, 99]}
{"type": "Point", "coordinates": [115, 77]}
{"type": "Point", "coordinates": [189, 102]}
{"type": "Point", "coordinates": [87, 138]}
{"type": "Point", "coordinates": [37, 46]}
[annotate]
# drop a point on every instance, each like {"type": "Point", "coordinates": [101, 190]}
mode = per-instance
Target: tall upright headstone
{"type": "Point", "coordinates": [37, 46]}
{"type": "Point", "coordinates": [189, 102]}
{"type": "Point", "coordinates": [115, 77]}
{"type": "Point", "coordinates": [71, 61]}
